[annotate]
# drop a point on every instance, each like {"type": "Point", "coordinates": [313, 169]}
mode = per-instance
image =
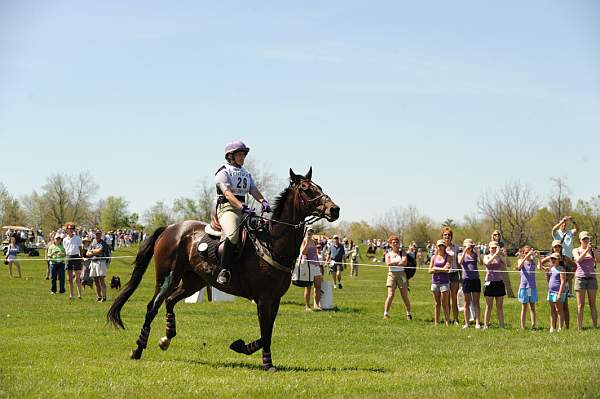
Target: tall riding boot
{"type": "Point", "coordinates": [226, 258]}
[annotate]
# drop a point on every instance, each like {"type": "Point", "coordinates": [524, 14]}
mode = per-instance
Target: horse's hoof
{"type": "Point", "coordinates": [164, 343]}
{"type": "Point", "coordinates": [135, 354]}
{"type": "Point", "coordinates": [238, 346]}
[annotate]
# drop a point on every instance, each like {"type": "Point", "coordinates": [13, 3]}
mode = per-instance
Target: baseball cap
{"type": "Point", "coordinates": [555, 243]}
{"type": "Point", "coordinates": [440, 242]}
{"type": "Point", "coordinates": [335, 236]}
{"type": "Point", "coordinates": [493, 244]}
{"type": "Point", "coordinates": [468, 242]}
{"type": "Point", "coordinates": [584, 234]}
{"type": "Point", "coordinates": [554, 255]}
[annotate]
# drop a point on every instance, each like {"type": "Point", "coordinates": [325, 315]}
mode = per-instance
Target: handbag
{"type": "Point", "coordinates": [301, 275]}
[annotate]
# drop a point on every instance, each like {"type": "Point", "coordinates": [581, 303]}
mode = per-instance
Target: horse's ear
{"type": "Point", "coordinates": [294, 177]}
{"type": "Point", "coordinates": [309, 174]}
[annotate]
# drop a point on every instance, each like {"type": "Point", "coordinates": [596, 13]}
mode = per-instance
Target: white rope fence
{"type": "Point", "coordinates": [483, 269]}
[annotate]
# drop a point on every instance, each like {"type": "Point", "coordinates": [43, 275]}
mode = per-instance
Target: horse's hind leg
{"type": "Point", "coordinates": [166, 287]}
{"type": "Point", "coordinates": [191, 284]}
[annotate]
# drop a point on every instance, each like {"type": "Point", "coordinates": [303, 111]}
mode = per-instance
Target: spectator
{"type": "Point", "coordinates": [496, 236]}
{"type": "Point", "coordinates": [471, 284]}
{"type": "Point", "coordinates": [72, 244]}
{"type": "Point", "coordinates": [569, 266]}
{"type": "Point", "coordinates": [565, 237]}
{"type": "Point", "coordinates": [108, 239]}
{"type": "Point", "coordinates": [439, 267]}
{"type": "Point", "coordinates": [309, 252]}
{"type": "Point", "coordinates": [98, 266]}
{"type": "Point", "coordinates": [354, 260]}
{"type": "Point", "coordinates": [585, 278]}
{"type": "Point", "coordinates": [557, 290]}
{"type": "Point", "coordinates": [396, 277]}
{"type": "Point", "coordinates": [494, 286]}
{"type": "Point", "coordinates": [452, 251]}
{"type": "Point", "coordinates": [528, 295]}
{"type": "Point", "coordinates": [335, 259]}
{"type": "Point", "coordinates": [56, 256]}
{"type": "Point", "coordinates": [11, 256]}
{"type": "Point", "coordinates": [420, 258]}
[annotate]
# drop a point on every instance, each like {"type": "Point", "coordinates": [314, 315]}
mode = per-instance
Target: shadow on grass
{"type": "Point", "coordinates": [253, 366]}
{"type": "Point", "coordinates": [342, 309]}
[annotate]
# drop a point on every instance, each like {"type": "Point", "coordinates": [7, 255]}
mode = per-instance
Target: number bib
{"type": "Point", "coordinates": [239, 180]}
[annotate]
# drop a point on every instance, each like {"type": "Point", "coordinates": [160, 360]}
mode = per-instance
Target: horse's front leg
{"type": "Point", "coordinates": [267, 312]}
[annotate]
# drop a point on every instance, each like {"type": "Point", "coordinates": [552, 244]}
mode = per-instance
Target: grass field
{"type": "Point", "coordinates": [53, 347]}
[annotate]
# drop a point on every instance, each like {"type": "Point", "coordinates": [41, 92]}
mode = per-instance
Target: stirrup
{"type": "Point", "coordinates": [223, 277]}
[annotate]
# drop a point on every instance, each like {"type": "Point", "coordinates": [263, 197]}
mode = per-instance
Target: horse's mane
{"type": "Point", "coordinates": [280, 202]}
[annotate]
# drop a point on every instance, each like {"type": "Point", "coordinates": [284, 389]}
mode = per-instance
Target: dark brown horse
{"type": "Point", "coordinates": [181, 270]}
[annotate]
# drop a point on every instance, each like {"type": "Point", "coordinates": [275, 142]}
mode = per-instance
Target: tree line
{"type": "Point", "coordinates": [520, 215]}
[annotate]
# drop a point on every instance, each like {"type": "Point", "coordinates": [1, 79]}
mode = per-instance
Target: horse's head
{"type": "Point", "coordinates": [311, 198]}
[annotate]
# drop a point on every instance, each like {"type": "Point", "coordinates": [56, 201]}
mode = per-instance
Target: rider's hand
{"type": "Point", "coordinates": [247, 210]}
{"type": "Point", "coordinates": [265, 206]}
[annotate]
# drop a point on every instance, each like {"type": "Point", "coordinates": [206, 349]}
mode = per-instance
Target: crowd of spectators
{"type": "Point", "coordinates": [571, 272]}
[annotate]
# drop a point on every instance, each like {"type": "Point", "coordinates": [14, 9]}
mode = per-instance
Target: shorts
{"type": "Point", "coordinates": [315, 270]}
{"type": "Point", "coordinates": [586, 283]}
{"type": "Point", "coordinates": [396, 279]}
{"type": "Point", "coordinates": [553, 297]}
{"type": "Point", "coordinates": [494, 288]}
{"type": "Point", "coordinates": [336, 267]}
{"type": "Point", "coordinates": [98, 268]}
{"type": "Point", "coordinates": [440, 287]}
{"type": "Point", "coordinates": [528, 295]}
{"type": "Point", "coordinates": [74, 264]}
{"type": "Point", "coordinates": [454, 277]}
{"type": "Point", "coordinates": [471, 285]}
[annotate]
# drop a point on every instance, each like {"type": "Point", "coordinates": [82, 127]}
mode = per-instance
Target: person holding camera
{"type": "Point", "coordinates": [565, 237]}
{"type": "Point", "coordinates": [585, 278]}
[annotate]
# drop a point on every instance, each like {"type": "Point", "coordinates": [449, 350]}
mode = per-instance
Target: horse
{"type": "Point", "coordinates": [262, 275]}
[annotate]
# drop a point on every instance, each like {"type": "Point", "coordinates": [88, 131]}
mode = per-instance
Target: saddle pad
{"type": "Point", "coordinates": [208, 247]}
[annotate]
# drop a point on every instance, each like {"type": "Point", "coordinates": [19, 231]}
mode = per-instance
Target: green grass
{"type": "Point", "coordinates": [53, 347]}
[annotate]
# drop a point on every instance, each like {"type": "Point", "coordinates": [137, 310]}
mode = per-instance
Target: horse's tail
{"type": "Point", "coordinates": [141, 262]}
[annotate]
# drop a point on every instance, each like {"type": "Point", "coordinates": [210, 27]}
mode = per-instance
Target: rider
{"type": "Point", "coordinates": [233, 184]}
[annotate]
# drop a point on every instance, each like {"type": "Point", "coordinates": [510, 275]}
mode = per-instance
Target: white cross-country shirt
{"type": "Point", "coordinates": [72, 245]}
{"type": "Point", "coordinates": [237, 180]}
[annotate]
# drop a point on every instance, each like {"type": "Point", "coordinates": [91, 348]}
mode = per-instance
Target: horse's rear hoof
{"type": "Point", "coordinates": [238, 346]}
{"type": "Point", "coordinates": [164, 343]}
{"type": "Point", "coordinates": [136, 354]}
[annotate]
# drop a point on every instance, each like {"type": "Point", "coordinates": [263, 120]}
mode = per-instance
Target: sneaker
{"type": "Point", "coordinates": [478, 326]}
{"type": "Point", "coordinates": [340, 286]}
{"type": "Point", "coordinates": [465, 326]}
{"type": "Point", "coordinates": [52, 293]}
{"type": "Point", "coordinates": [408, 316]}
{"type": "Point", "coordinates": [103, 299]}
{"type": "Point", "coordinates": [98, 299]}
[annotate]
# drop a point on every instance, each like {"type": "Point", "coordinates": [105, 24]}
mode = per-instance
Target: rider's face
{"type": "Point", "coordinates": [239, 157]}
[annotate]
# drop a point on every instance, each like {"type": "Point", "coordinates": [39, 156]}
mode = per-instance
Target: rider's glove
{"type": "Point", "coordinates": [265, 206]}
{"type": "Point", "coordinates": [247, 210]}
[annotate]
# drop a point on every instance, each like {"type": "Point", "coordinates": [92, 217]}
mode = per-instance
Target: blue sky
{"type": "Point", "coordinates": [392, 103]}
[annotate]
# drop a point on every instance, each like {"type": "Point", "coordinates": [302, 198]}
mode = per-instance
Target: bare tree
{"type": "Point", "coordinates": [266, 181]}
{"type": "Point", "coordinates": [560, 202]}
{"type": "Point", "coordinates": [590, 213]}
{"type": "Point", "coordinates": [198, 208]}
{"type": "Point", "coordinates": [69, 198]}
{"type": "Point", "coordinates": [511, 209]}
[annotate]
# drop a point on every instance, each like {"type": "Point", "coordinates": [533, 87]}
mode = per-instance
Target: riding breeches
{"type": "Point", "coordinates": [230, 218]}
